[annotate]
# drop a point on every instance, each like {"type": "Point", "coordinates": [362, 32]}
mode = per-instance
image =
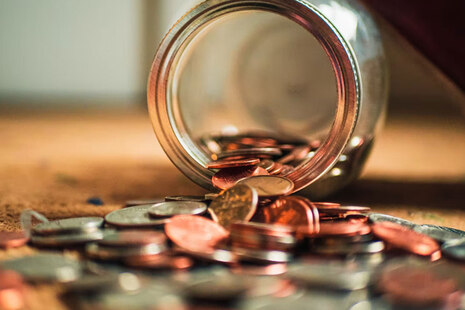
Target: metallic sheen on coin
{"type": "Point", "coordinates": [69, 225]}
{"type": "Point", "coordinates": [238, 203]}
{"type": "Point", "coordinates": [171, 208]}
{"type": "Point", "coordinates": [45, 267]}
{"type": "Point", "coordinates": [269, 185]}
{"type": "Point", "coordinates": [195, 233]}
{"type": "Point", "coordinates": [133, 217]}
{"type": "Point", "coordinates": [10, 239]}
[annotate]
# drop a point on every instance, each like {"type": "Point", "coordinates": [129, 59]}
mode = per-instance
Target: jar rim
{"type": "Point", "coordinates": [183, 152]}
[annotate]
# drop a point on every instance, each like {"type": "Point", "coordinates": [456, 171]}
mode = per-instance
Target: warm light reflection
{"type": "Point", "coordinates": [343, 18]}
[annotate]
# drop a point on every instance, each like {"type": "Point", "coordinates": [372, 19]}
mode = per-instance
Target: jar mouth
{"type": "Point", "coordinates": [165, 111]}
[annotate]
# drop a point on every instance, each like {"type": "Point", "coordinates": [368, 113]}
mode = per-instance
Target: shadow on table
{"type": "Point", "coordinates": [432, 195]}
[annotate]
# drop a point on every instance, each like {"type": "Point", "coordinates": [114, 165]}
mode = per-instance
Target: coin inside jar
{"type": "Point", "coordinates": [171, 208]}
{"type": "Point", "coordinates": [226, 178]}
{"type": "Point", "coordinates": [238, 203]}
{"type": "Point", "coordinates": [221, 164]}
{"type": "Point", "coordinates": [269, 185]}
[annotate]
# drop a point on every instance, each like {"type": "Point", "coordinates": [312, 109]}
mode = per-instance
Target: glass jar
{"type": "Point", "coordinates": [292, 70]}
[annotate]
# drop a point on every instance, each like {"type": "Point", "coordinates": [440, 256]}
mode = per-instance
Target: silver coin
{"type": "Point", "coordinates": [262, 256]}
{"type": "Point", "coordinates": [171, 208]}
{"type": "Point", "coordinates": [185, 198]}
{"type": "Point", "coordinates": [440, 233]}
{"type": "Point", "coordinates": [454, 249]}
{"type": "Point", "coordinates": [270, 151]}
{"type": "Point", "coordinates": [69, 225]}
{"type": "Point", "coordinates": [139, 202]}
{"type": "Point", "coordinates": [350, 248]}
{"type": "Point", "coordinates": [333, 275]}
{"type": "Point", "coordinates": [67, 239]}
{"type": "Point", "coordinates": [225, 288]}
{"type": "Point", "coordinates": [221, 256]}
{"type": "Point", "coordinates": [269, 185]}
{"type": "Point", "coordinates": [93, 283]}
{"type": "Point", "coordinates": [137, 216]}
{"type": "Point", "coordinates": [45, 267]}
{"type": "Point", "coordinates": [379, 217]}
{"type": "Point", "coordinates": [97, 251]}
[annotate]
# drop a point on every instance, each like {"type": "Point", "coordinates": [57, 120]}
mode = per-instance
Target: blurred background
{"type": "Point", "coordinates": [98, 53]}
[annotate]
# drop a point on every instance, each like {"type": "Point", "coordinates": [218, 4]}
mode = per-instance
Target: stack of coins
{"type": "Point", "coordinates": [67, 232]}
{"type": "Point", "coordinates": [253, 154]}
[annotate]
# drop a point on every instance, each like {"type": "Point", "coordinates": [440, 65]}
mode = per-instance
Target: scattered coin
{"type": "Point", "coordinates": [235, 204]}
{"type": "Point", "coordinates": [134, 217]}
{"type": "Point", "coordinates": [262, 256]}
{"type": "Point", "coordinates": [226, 178]}
{"type": "Point", "coordinates": [12, 239]}
{"type": "Point", "coordinates": [439, 233]}
{"type": "Point", "coordinates": [226, 288]}
{"type": "Point", "coordinates": [185, 198]}
{"type": "Point", "coordinates": [215, 255]}
{"type": "Point", "coordinates": [45, 267]}
{"type": "Point", "coordinates": [379, 217]}
{"type": "Point", "coordinates": [12, 291]}
{"type": "Point", "coordinates": [221, 164]}
{"type": "Point", "coordinates": [401, 237]}
{"type": "Point", "coordinates": [291, 210]}
{"type": "Point", "coordinates": [171, 208]}
{"type": "Point", "coordinates": [160, 262]}
{"type": "Point", "coordinates": [69, 225]}
{"type": "Point", "coordinates": [195, 233]}
{"type": "Point", "coordinates": [454, 249]}
{"type": "Point", "coordinates": [334, 276]}
{"type": "Point", "coordinates": [417, 287]}
{"type": "Point", "coordinates": [66, 239]}
{"type": "Point", "coordinates": [128, 238]}
{"type": "Point", "coordinates": [102, 252]}
{"type": "Point", "coordinates": [371, 247]}
{"type": "Point", "coordinates": [269, 185]}
{"type": "Point", "coordinates": [139, 202]}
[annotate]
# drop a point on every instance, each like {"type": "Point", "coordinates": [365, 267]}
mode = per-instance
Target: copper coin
{"type": "Point", "coordinates": [334, 210]}
{"type": "Point", "coordinates": [262, 228]}
{"type": "Point", "coordinates": [221, 164]}
{"type": "Point", "coordinates": [11, 290]}
{"type": "Point", "coordinates": [416, 287]}
{"type": "Point", "coordinates": [128, 238]}
{"type": "Point", "coordinates": [316, 215]}
{"type": "Point", "coordinates": [401, 237]}
{"type": "Point", "coordinates": [286, 169]}
{"type": "Point", "coordinates": [292, 211]}
{"type": "Point", "coordinates": [251, 152]}
{"type": "Point", "coordinates": [160, 261]}
{"type": "Point", "coordinates": [195, 233]}
{"type": "Point", "coordinates": [238, 203]}
{"type": "Point", "coordinates": [266, 164]}
{"type": "Point", "coordinates": [12, 239]}
{"type": "Point", "coordinates": [276, 169]}
{"type": "Point", "coordinates": [338, 229]}
{"type": "Point", "coordinates": [298, 153]}
{"type": "Point", "coordinates": [269, 185]}
{"type": "Point", "coordinates": [226, 178]}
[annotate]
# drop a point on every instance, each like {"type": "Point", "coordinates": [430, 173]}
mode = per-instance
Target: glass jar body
{"type": "Point", "coordinates": [312, 69]}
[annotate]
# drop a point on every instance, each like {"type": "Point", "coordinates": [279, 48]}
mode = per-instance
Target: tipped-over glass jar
{"type": "Point", "coordinates": [303, 79]}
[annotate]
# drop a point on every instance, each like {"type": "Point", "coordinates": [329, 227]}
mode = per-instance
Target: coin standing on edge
{"type": "Point", "coordinates": [238, 203]}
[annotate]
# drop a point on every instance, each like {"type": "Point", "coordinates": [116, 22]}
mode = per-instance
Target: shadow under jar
{"type": "Point", "coordinates": [307, 77]}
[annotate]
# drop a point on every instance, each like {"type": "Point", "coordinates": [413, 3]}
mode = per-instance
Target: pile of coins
{"type": "Point", "coordinates": [249, 247]}
{"type": "Point", "coordinates": [255, 154]}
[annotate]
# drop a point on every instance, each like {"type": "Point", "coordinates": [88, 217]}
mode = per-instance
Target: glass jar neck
{"type": "Point", "coordinates": [164, 109]}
